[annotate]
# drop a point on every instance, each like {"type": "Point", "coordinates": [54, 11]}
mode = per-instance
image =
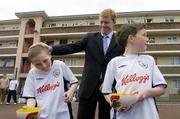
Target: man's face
{"type": "Point", "coordinates": [106, 25]}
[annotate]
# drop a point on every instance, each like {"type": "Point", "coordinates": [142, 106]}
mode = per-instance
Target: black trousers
{"type": "Point", "coordinates": [87, 107]}
{"type": "Point", "coordinates": [12, 93]}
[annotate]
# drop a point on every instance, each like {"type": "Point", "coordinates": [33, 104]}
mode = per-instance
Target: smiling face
{"type": "Point", "coordinates": [140, 41]}
{"type": "Point", "coordinates": [107, 20]}
{"type": "Point", "coordinates": [42, 61]}
{"type": "Point", "coordinates": [106, 24]}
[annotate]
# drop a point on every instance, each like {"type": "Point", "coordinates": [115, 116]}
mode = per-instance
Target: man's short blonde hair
{"type": "Point", "coordinates": [109, 13]}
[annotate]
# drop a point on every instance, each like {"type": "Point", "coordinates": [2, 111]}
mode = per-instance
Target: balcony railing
{"type": "Point", "coordinates": [8, 50]}
{"type": "Point", "coordinates": [8, 70]}
{"type": "Point", "coordinates": [169, 69]}
{"type": "Point", "coordinates": [9, 32]}
{"type": "Point", "coordinates": [163, 47]}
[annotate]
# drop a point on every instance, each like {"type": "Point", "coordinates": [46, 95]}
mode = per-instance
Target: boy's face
{"type": "Point", "coordinates": [141, 40]}
{"type": "Point", "coordinates": [106, 24]}
{"type": "Point", "coordinates": [42, 61]}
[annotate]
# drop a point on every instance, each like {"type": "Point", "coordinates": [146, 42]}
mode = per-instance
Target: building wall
{"type": "Point", "coordinates": [54, 32]}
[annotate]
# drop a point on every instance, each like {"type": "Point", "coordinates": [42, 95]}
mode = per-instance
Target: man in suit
{"type": "Point", "coordinates": [100, 48]}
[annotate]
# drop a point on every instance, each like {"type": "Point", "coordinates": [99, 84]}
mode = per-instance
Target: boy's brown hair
{"type": "Point", "coordinates": [126, 30]}
{"type": "Point", "coordinates": [36, 50]}
{"type": "Point", "coordinates": [109, 13]}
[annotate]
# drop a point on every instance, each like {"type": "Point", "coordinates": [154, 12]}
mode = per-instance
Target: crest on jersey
{"type": "Point", "coordinates": [56, 73]}
{"type": "Point", "coordinates": [143, 64]}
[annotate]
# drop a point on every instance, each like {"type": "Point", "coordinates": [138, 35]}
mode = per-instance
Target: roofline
{"type": "Point", "coordinates": [31, 14]}
{"type": "Point", "coordinates": [119, 14]}
{"type": "Point", "coordinates": [149, 13]}
{"type": "Point", "coordinates": [90, 16]}
{"type": "Point", "coordinates": [10, 21]}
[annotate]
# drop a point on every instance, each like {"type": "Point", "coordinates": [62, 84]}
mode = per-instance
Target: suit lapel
{"type": "Point", "coordinates": [112, 44]}
{"type": "Point", "coordinates": [99, 42]}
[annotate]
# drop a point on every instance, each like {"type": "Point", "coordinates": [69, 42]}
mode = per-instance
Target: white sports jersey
{"type": "Point", "coordinates": [13, 84]}
{"type": "Point", "coordinates": [133, 73]}
{"type": "Point", "coordinates": [48, 90]}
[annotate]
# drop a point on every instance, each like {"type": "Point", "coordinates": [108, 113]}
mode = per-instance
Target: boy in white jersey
{"type": "Point", "coordinates": [134, 73]}
{"type": "Point", "coordinates": [46, 87]}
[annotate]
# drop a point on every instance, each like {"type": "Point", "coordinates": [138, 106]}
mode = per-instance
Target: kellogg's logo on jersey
{"type": "Point", "coordinates": [134, 78]}
{"type": "Point", "coordinates": [48, 87]}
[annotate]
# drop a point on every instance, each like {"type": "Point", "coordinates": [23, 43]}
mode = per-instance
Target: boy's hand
{"type": "Point", "coordinates": [26, 106]}
{"type": "Point", "coordinates": [121, 107]}
{"type": "Point", "coordinates": [68, 96]}
{"type": "Point", "coordinates": [118, 106]}
{"type": "Point", "coordinates": [141, 95]}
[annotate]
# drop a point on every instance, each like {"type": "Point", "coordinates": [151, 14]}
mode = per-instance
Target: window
{"type": "Point", "coordinates": [130, 21]}
{"type": "Point", "coordinates": [15, 27]}
{"type": "Point", "coordinates": [52, 25]}
{"type": "Point", "coordinates": [12, 45]}
{"type": "Point", "coordinates": [172, 39]}
{"type": "Point", "coordinates": [151, 40]}
{"type": "Point", "coordinates": [2, 63]}
{"type": "Point", "coordinates": [91, 23]}
{"type": "Point", "coordinates": [64, 41]}
{"type": "Point", "coordinates": [176, 85]}
{"type": "Point", "coordinates": [175, 61]}
{"type": "Point", "coordinates": [148, 20]}
{"type": "Point", "coordinates": [10, 63]}
{"type": "Point", "coordinates": [169, 19]}
{"type": "Point", "coordinates": [64, 25]}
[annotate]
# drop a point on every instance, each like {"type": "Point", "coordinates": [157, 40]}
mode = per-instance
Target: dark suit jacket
{"type": "Point", "coordinates": [95, 61]}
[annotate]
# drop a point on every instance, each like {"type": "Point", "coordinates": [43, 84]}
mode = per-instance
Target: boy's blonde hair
{"type": "Point", "coordinates": [109, 13]}
{"type": "Point", "coordinates": [36, 50]}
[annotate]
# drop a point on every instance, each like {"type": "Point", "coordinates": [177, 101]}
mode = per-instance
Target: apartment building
{"type": "Point", "coordinates": [17, 35]}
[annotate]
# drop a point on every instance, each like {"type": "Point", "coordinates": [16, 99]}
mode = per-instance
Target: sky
{"type": "Point", "coordinates": [8, 8]}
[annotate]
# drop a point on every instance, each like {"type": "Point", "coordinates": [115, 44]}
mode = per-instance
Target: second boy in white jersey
{"type": "Point", "coordinates": [134, 73]}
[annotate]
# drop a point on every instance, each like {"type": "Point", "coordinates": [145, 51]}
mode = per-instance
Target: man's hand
{"type": "Point", "coordinates": [41, 44]}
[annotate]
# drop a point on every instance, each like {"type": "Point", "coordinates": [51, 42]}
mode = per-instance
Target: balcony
{"type": "Point", "coordinates": [9, 32]}
{"type": "Point", "coordinates": [163, 46]}
{"type": "Point", "coordinates": [173, 25]}
{"type": "Point", "coordinates": [8, 50]}
{"type": "Point", "coordinates": [8, 70]}
{"type": "Point", "coordinates": [169, 69]}
{"type": "Point", "coordinates": [69, 29]}
{"type": "Point", "coordinates": [163, 53]}
{"type": "Point", "coordinates": [153, 28]}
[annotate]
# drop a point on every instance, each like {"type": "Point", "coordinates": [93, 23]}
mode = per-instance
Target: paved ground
{"type": "Point", "coordinates": [166, 111]}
